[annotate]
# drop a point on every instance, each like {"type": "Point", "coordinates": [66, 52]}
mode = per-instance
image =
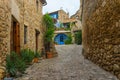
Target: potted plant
{"type": "Point", "coordinates": [49, 55]}
{"type": "Point", "coordinates": [49, 24]}
{"type": "Point", "coordinates": [36, 57]}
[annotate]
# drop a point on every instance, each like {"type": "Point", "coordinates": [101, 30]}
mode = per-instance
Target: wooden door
{"type": "Point", "coordinates": [15, 37]}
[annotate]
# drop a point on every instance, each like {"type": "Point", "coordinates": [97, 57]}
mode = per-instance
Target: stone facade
{"type": "Point", "coordinates": [27, 13]}
{"type": "Point", "coordinates": [63, 16]}
{"type": "Point", "coordinates": [101, 33]}
{"type": "Point", "coordinates": [73, 23]}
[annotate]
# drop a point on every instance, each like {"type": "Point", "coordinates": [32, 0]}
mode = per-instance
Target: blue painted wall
{"type": "Point", "coordinates": [59, 39]}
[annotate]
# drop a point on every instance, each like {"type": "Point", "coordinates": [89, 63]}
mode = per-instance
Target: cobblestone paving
{"type": "Point", "coordinates": [69, 65]}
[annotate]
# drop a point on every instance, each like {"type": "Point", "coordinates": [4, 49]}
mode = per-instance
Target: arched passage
{"type": "Point", "coordinates": [59, 38]}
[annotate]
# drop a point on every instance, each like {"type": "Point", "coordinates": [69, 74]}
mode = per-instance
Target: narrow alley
{"type": "Point", "coordinates": [69, 65]}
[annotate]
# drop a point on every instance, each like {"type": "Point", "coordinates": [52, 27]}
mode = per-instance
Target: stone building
{"type": "Point", "coordinates": [64, 26]}
{"type": "Point", "coordinates": [20, 26]}
{"type": "Point", "coordinates": [61, 15]}
{"type": "Point", "coordinates": [60, 34]}
{"type": "Point", "coordinates": [101, 33]}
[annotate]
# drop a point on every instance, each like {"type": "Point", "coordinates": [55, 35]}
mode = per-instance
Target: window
{"type": "Point", "coordinates": [25, 34]}
{"type": "Point", "coordinates": [55, 16]}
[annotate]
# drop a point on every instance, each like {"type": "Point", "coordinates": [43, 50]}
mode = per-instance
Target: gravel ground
{"type": "Point", "coordinates": [69, 65]}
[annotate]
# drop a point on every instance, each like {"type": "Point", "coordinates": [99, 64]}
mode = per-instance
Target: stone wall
{"type": "Point", "coordinates": [63, 16]}
{"type": "Point", "coordinates": [32, 19]}
{"type": "Point", "coordinates": [5, 23]}
{"type": "Point", "coordinates": [26, 13]}
{"type": "Point", "coordinates": [101, 33]}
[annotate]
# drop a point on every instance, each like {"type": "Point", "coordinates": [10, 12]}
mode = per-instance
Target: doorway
{"type": "Point", "coordinates": [37, 39]}
{"type": "Point", "coordinates": [60, 38]}
{"type": "Point", "coordinates": [15, 36]}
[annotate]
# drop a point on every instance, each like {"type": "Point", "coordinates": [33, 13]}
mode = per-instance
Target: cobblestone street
{"type": "Point", "coordinates": [69, 65]}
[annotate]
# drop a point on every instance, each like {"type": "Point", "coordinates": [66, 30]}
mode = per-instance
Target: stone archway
{"type": "Point", "coordinates": [59, 38]}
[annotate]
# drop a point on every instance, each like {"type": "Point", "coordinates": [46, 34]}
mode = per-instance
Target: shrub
{"type": "Point", "coordinates": [37, 55]}
{"type": "Point", "coordinates": [14, 64]}
{"type": "Point", "coordinates": [27, 55]}
{"type": "Point", "coordinates": [68, 40]}
{"type": "Point", "coordinates": [10, 66]}
{"type": "Point", "coordinates": [20, 65]}
{"type": "Point", "coordinates": [14, 57]}
{"type": "Point", "coordinates": [78, 37]}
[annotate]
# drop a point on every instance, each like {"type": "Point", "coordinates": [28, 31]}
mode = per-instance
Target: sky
{"type": "Point", "coordinates": [70, 6]}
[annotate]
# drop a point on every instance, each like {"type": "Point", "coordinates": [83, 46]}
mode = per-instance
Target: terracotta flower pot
{"type": "Point", "coordinates": [35, 60]}
{"type": "Point", "coordinates": [49, 55]}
